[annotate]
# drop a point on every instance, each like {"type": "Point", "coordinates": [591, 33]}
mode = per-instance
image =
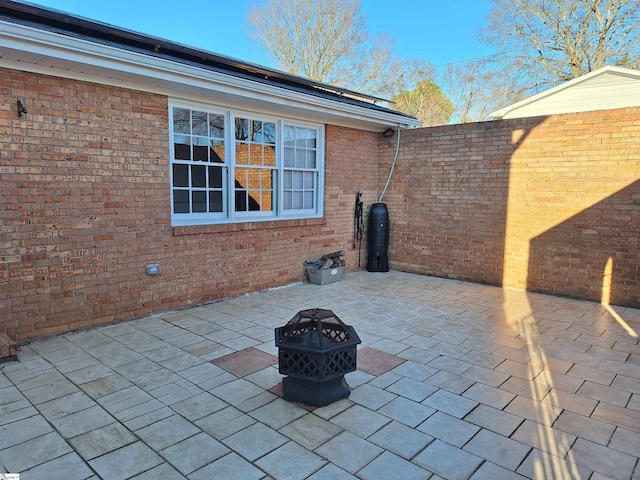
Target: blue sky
{"type": "Point", "coordinates": [434, 30]}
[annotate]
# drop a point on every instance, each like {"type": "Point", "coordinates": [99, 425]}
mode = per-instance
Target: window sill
{"type": "Point", "coordinates": [246, 226]}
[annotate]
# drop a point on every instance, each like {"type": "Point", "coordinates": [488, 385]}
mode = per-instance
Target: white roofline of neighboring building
{"type": "Point", "coordinates": [499, 114]}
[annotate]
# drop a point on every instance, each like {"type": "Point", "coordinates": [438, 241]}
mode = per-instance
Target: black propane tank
{"type": "Point", "coordinates": [378, 238]}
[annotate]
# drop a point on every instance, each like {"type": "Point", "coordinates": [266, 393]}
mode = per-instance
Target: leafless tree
{"type": "Point", "coordinates": [327, 41]}
{"type": "Point", "coordinates": [551, 41]}
{"type": "Point", "coordinates": [476, 89]}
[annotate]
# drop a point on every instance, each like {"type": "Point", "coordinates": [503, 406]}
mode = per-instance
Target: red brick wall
{"type": "Point", "coordinates": [84, 185]}
{"type": "Point", "coordinates": [549, 204]}
{"type": "Point", "coordinates": [539, 203]}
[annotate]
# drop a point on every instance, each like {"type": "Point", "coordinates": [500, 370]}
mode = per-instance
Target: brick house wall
{"type": "Point", "coordinates": [549, 204]}
{"type": "Point", "coordinates": [84, 182]}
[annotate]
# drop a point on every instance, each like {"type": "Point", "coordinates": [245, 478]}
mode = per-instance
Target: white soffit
{"type": "Point", "coordinates": [38, 51]}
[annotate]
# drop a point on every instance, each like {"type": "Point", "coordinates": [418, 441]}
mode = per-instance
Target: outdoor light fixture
{"type": "Point", "coordinates": [388, 133]}
{"type": "Point", "coordinates": [21, 108]}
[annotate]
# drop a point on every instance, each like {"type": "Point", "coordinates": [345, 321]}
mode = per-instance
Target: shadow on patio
{"type": "Point", "coordinates": [455, 380]}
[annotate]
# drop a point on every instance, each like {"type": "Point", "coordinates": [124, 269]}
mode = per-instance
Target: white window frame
{"type": "Point", "coordinates": [229, 214]}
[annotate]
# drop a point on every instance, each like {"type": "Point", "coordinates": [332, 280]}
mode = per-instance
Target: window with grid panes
{"type": "Point", "coordinates": [230, 167]}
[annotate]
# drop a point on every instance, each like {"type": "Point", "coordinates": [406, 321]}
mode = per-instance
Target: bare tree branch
{"type": "Point", "coordinates": [549, 41]}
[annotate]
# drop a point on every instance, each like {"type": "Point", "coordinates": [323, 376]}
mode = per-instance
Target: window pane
{"type": "Point", "coordinates": [289, 136]}
{"type": "Point", "coordinates": [308, 180]}
{"type": "Point", "coordinates": [242, 153]}
{"type": "Point", "coordinates": [311, 159]}
{"type": "Point", "coordinates": [269, 156]}
{"type": "Point", "coordinates": [297, 201]}
{"type": "Point", "coordinates": [287, 199]}
{"type": "Point", "coordinates": [255, 154]}
{"type": "Point", "coordinates": [289, 157]}
{"type": "Point", "coordinates": [254, 201]}
{"type": "Point", "coordinates": [217, 151]}
{"type": "Point", "coordinates": [308, 200]}
{"type": "Point", "coordinates": [301, 137]}
{"type": "Point", "coordinates": [215, 177]}
{"type": "Point", "coordinates": [200, 149]}
{"type": "Point", "coordinates": [242, 129]}
{"type": "Point", "coordinates": [182, 147]}
{"type": "Point", "coordinates": [180, 175]}
{"type": "Point", "coordinates": [216, 126]}
{"type": "Point", "coordinates": [199, 123]}
{"type": "Point", "coordinates": [301, 159]}
{"type": "Point", "coordinates": [215, 201]}
{"type": "Point", "coordinates": [256, 131]}
{"type": "Point", "coordinates": [199, 199]}
{"type": "Point", "coordinates": [198, 176]}
{"type": "Point", "coordinates": [311, 138]}
{"type": "Point", "coordinates": [181, 120]}
{"type": "Point", "coordinates": [297, 180]}
{"type": "Point", "coordinates": [269, 133]}
{"type": "Point", "coordinates": [180, 201]}
{"type": "Point", "coordinates": [287, 179]}
{"type": "Point", "coordinates": [241, 200]}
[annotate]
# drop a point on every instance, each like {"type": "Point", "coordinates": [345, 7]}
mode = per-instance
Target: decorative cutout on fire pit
{"type": "Point", "coordinates": [315, 350]}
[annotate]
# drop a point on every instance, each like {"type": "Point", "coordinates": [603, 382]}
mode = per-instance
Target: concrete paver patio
{"type": "Point", "coordinates": [455, 380]}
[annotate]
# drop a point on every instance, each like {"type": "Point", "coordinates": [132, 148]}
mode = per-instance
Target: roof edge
{"type": "Point", "coordinates": [501, 113]}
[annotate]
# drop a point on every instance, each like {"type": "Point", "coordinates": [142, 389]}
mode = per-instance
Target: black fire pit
{"type": "Point", "coordinates": [315, 350]}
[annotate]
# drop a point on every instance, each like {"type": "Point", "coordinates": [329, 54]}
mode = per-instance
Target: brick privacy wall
{"type": "Point", "coordinates": [538, 203]}
{"type": "Point", "coordinates": [85, 207]}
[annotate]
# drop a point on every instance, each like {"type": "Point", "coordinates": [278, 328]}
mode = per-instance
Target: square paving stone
{"type": "Point", "coordinates": [33, 452]}
{"type": "Point", "coordinates": [448, 461]}
{"type": "Point", "coordinates": [229, 466]}
{"type": "Point", "coordinates": [22, 430]}
{"type": "Point", "coordinates": [66, 405]}
{"type": "Point", "coordinates": [225, 422]}
{"type": "Point", "coordinates": [278, 413]}
{"type": "Point", "coordinates": [70, 465]}
{"type": "Point", "coordinates": [406, 411]}
{"type": "Point", "coordinates": [341, 451]}
{"type": "Point", "coordinates": [450, 403]}
{"type": "Point", "coordinates": [498, 449]}
{"type": "Point", "coordinates": [310, 431]}
{"type": "Point", "coordinates": [194, 453]}
{"type": "Point", "coordinates": [411, 389]}
{"type": "Point", "coordinates": [237, 391]}
{"type": "Point", "coordinates": [449, 429]}
{"type": "Point", "coordinates": [167, 432]}
{"type": "Point", "coordinates": [392, 467]}
{"type": "Point", "coordinates": [376, 362]}
{"type": "Point", "coordinates": [491, 471]}
{"type": "Point", "coordinates": [245, 362]}
{"type": "Point", "coordinates": [255, 441]}
{"type": "Point", "coordinates": [331, 472]}
{"type": "Point", "coordinates": [490, 396]}
{"type": "Point", "coordinates": [371, 397]}
{"type": "Point", "coordinates": [164, 471]}
{"type": "Point", "coordinates": [198, 406]}
{"type": "Point", "coordinates": [82, 422]}
{"type": "Point", "coordinates": [360, 421]}
{"type": "Point", "coordinates": [493, 419]}
{"type": "Point", "coordinates": [291, 461]}
{"type": "Point", "coordinates": [606, 461]}
{"type": "Point", "coordinates": [540, 464]}
{"type": "Point", "coordinates": [102, 440]}
{"type": "Point", "coordinates": [126, 461]}
{"type": "Point", "coordinates": [414, 370]}
{"type": "Point", "coordinates": [400, 439]}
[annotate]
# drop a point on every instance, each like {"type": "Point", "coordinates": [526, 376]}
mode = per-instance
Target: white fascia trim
{"type": "Point", "coordinates": [499, 114]}
{"type": "Point", "coordinates": [31, 40]}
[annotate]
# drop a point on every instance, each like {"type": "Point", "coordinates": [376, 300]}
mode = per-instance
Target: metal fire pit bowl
{"type": "Point", "coordinates": [315, 350]}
